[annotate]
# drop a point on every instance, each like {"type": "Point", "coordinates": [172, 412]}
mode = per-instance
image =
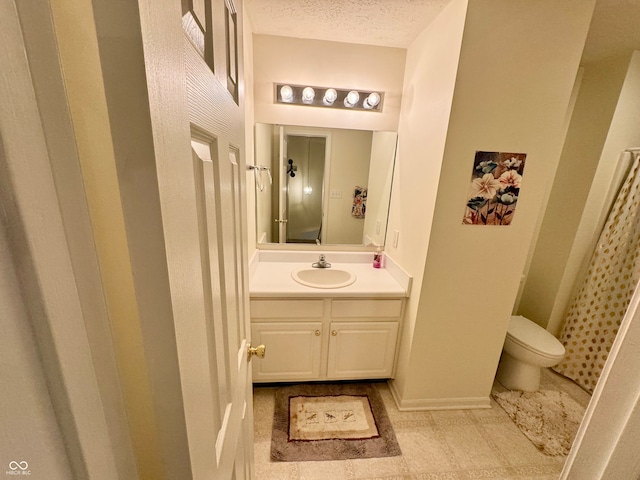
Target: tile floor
{"type": "Point", "coordinates": [436, 444]}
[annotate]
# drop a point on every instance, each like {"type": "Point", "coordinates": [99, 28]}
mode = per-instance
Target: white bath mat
{"type": "Point", "coordinates": [548, 418]}
{"type": "Point", "coordinates": [319, 418]}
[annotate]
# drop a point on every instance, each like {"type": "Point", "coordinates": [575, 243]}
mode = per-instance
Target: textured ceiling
{"type": "Point", "coordinates": [615, 28]}
{"type": "Point", "coordinates": [391, 23]}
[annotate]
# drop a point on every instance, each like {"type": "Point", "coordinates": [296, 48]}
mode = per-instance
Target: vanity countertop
{"type": "Point", "coordinates": [271, 277]}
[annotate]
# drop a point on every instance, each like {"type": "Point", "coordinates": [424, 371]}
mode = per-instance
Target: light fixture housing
{"type": "Point", "coordinates": [347, 99]}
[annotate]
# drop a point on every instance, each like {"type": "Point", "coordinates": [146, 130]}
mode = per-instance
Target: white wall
{"type": "Point", "coordinates": [431, 68]}
{"type": "Point", "coordinates": [324, 64]}
{"type": "Point", "coordinates": [29, 426]}
{"type": "Point", "coordinates": [572, 103]}
{"type": "Point", "coordinates": [624, 132]}
{"type": "Point", "coordinates": [510, 96]}
{"type": "Point", "coordinates": [559, 250]}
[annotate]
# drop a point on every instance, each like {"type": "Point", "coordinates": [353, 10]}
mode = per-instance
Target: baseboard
{"type": "Point", "coordinates": [458, 403]}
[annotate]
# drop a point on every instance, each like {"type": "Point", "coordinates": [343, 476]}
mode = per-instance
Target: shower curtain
{"type": "Point", "coordinates": [594, 317]}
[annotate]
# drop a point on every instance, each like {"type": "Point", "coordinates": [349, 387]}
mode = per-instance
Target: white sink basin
{"type": "Point", "coordinates": [323, 277]}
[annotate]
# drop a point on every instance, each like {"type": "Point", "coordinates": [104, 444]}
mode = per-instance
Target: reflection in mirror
{"type": "Point", "coordinates": [330, 186]}
{"type": "Point", "coordinates": [303, 188]}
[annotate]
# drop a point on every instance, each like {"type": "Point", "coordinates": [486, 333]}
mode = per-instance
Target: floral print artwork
{"type": "Point", "coordinates": [495, 188]}
{"type": "Point", "coordinates": [359, 206]}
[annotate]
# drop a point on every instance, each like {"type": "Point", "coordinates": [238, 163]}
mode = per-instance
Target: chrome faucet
{"type": "Point", "coordinates": [321, 263]}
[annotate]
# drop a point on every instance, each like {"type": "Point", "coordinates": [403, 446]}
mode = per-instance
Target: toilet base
{"type": "Point", "coordinates": [516, 375]}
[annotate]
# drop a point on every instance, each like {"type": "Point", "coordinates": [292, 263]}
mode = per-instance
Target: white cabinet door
{"type": "Point", "coordinates": [361, 350]}
{"type": "Point", "coordinates": [293, 351]}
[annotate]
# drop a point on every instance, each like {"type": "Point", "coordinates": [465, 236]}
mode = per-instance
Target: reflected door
{"type": "Point", "coordinates": [305, 169]}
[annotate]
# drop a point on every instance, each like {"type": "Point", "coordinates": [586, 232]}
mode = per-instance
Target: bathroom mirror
{"type": "Point", "coordinates": [322, 186]}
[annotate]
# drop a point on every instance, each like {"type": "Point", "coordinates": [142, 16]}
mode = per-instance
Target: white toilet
{"type": "Point", "coordinates": [527, 348]}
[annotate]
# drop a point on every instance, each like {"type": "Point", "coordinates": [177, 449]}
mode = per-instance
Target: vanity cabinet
{"type": "Point", "coordinates": [361, 350]}
{"type": "Point", "coordinates": [293, 351]}
{"type": "Point", "coordinates": [325, 339]}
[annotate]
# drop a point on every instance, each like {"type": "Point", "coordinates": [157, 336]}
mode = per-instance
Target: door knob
{"type": "Point", "coordinates": [258, 351]}
{"type": "Point", "coordinates": [334, 333]}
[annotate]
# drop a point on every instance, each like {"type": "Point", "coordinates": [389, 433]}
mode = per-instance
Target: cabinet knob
{"type": "Point", "coordinates": [258, 351]}
{"type": "Point", "coordinates": [334, 333]}
{"type": "Point", "coordinates": [317, 333]}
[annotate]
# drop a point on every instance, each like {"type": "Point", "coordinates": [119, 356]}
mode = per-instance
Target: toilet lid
{"type": "Point", "coordinates": [532, 336]}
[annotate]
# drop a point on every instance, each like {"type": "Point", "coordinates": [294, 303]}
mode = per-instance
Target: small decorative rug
{"type": "Point", "coordinates": [550, 419]}
{"type": "Point", "coordinates": [331, 422]}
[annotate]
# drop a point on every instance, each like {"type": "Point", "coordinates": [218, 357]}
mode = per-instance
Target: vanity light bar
{"type": "Point", "coordinates": [327, 97]}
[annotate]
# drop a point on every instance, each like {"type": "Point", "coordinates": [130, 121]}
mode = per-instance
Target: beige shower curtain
{"type": "Point", "coordinates": [594, 317]}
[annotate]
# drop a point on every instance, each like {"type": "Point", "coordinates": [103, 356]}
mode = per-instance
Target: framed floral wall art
{"type": "Point", "coordinates": [495, 187]}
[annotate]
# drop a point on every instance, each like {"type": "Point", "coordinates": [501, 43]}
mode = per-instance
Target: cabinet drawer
{"type": "Point", "coordinates": [387, 308]}
{"type": "Point", "coordinates": [287, 309]}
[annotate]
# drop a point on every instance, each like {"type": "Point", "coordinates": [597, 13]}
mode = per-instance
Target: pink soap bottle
{"type": "Point", "coordinates": [377, 259]}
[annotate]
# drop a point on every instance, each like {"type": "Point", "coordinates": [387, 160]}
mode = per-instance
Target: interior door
{"type": "Point", "coordinates": [212, 339]}
{"type": "Point", "coordinates": [217, 143]}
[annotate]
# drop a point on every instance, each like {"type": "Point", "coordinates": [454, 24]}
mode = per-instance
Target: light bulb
{"type": "Point", "coordinates": [351, 100]}
{"type": "Point", "coordinates": [372, 100]}
{"type": "Point", "coordinates": [286, 93]}
{"type": "Point", "coordinates": [308, 94]}
{"type": "Point", "coordinates": [330, 96]}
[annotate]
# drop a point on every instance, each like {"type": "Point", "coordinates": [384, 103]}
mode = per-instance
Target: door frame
{"type": "Point", "coordinates": [45, 209]}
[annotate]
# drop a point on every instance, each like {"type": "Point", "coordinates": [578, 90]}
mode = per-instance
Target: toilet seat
{"type": "Point", "coordinates": [533, 337]}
